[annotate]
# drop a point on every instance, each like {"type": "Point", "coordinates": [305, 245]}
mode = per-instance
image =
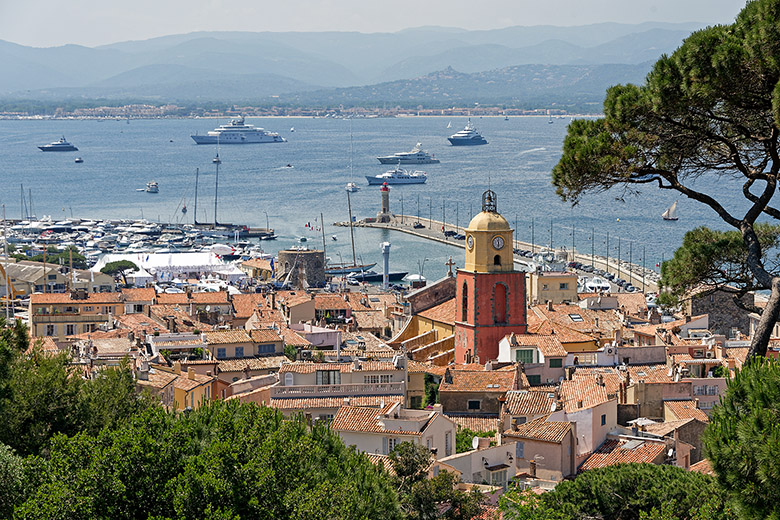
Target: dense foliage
{"type": "Point", "coordinates": [427, 498]}
{"type": "Point", "coordinates": [55, 256]}
{"type": "Point", "coordinates": [120, 267]}
{"type": "Point", "coordinates": [743, 440]}
{"type": "Point", "coordinates": [464, 438]}
{"type": "Point", "coordinates": [710, 109]}
{"type": "Point", "coordinates": [624, 492]}
{"type": "Point", "coordinates": [716, 259]}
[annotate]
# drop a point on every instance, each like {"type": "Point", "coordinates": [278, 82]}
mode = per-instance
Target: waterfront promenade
{"type": "Point", "coordinates": [642, 278]}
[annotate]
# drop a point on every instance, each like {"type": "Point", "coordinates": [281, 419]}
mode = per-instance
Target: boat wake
{"type": "Point", "coordinates": [532, 150]}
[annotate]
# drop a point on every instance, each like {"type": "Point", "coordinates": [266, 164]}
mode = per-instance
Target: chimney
{"type": "Point", "coordinates": [483, 443]}
{"type": "Point", "coordinates": [550, 305]}
{"type": "Point", "coordinates": [191, 373]}
{"type": "Point", "coordinates": [696, 403]}
{"type": "Point", "coordinates": [596, 321]}
{"type": "Point", "coordinates": [143, 372]}
{"type": "Point", "coordinates": [687, 319]}
{"type": "Point", "coordinates": [579, 403]}
{"type": "Point", "coordinates": [177, 368]}
{"type": "Point", "coordinates": [517, 383]}
{"type": "Point", "coordinates": [601, 380]}
{"type": "Point", "coordinates": [447, 376]}
{"type": "Point", "coordinates": [246, 372]}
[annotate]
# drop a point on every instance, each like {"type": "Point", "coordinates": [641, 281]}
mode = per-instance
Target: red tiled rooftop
{"type": "Point", "coordinates": [442, 313]}
{"type": "Point", "coordinates": [541, 430]}
{"type": "Point", "coordinates": [478, 381]}
{"type": "Point", "coordinates": [144, 294]}
{"type": "Point", "coordinates": [529, 402]}
{"type": "Point", "coordinates": [618, 451]}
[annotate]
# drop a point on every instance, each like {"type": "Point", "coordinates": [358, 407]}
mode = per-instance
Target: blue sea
{"type": "Point", "coordinates": [254, 183]}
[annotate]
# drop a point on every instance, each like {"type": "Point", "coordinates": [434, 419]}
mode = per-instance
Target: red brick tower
{"type": "Point", "coordinates": [490, 293]}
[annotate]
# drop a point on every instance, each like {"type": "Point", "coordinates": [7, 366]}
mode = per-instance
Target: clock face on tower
{"type": "Point", "coordinates": [498, 242]}
{"type": "Point", "coordinates": [470, 241]}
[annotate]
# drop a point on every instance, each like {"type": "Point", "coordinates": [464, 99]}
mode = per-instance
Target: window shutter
{"type": "Point", "coordinates": [384, 445]}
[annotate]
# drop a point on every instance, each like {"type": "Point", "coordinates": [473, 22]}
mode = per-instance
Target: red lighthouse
{"type": "Point", "coordinates": [490, 293]}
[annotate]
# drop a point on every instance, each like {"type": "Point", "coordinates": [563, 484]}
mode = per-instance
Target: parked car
{"type": "Point", "coordinates": [418, 225]}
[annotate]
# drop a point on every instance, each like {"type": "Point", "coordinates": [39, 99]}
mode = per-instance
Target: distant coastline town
{"type": "Point", "coordinates": [148, 111]}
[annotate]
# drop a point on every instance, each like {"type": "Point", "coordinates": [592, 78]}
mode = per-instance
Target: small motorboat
{"type": "Point", "coordinates": [352, 187]}
{"type": "Point", "coordinates": [152, 187]}
{"type": "Point", "coordinates": [334, 238]}
{"type": "Point", "coordinates": [78, 160]}
{"type": "Point", "coordinates": [289, 166]}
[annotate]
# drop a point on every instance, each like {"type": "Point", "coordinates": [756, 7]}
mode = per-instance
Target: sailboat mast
{"type": "Point", "coordinates": [351, 230]}
{"type": "Point", "coordinates": [322, 226]}
{"type": "Point", "coordinates": [216, 191]}
{"type": "Point", "coordinates": [195, 218]}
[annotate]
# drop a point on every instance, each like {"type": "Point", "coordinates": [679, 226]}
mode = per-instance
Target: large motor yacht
{"type": "Point", "coordinates": [59, 146]}
{"type": "Point", "coordinates": [416, 156]}
{"type": "Point", "coordinates": [398, 176]}
{"type": "Point", "coordinates": [467, 137]}
{"type": "Point", "coordinates": [237, 132]}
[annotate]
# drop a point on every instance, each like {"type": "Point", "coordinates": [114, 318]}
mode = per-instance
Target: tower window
{"type": "Point", "coordinates": [499, 303]}
{"type": "Point", "coordinates": [465, 303]}
{"type": "Point", "coordinates": [497, 260]}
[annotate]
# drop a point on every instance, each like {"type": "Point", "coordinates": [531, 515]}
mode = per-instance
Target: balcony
{"type": "Point", "coordinates": [345, 390]}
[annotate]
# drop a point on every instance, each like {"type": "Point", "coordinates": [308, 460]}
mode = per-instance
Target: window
{"type": "Point", "coordinates": [429, 443]}
{"type": "Point", "coordinates": [576, 318]}
{"type": "Point", "coordinates": [51, 330]}
{"type": "Point", "coordinates": [499, 303]}
{"type": "Point", "coordinates": [88, 308]}
{"type": "Point", "coordinates": [235, 379]}
{"type": "Point", "coordinates": [474, 404]}
{"type": "Point", "coordinates": [464, 313]}
{"type": "Point", "coordinates": [384, 378]}
{"type": "Point", "coordinates": [239, 351]}
{"type": "Point", "coordinates": [371, 380]}
{"type": "Point", "coordinates": [85, 328]}
{"type": "Point", "coordinates": [535, 380]}
{"type": "Point", "coordinates": [392, 443]}
{"type": "Point", "coordinates": [544, 287]}
{"type": "Point", "coordinates": [70, 329]}
{"type": "Point", "coordinates": [415, 401]}
{"type": "Point", "coordinates": [221, 353]}
{"type": "Point", "coordinates": [603, 419]}
{"type": "Point", "coordinates": [564, 286]}
{"type": "Point", "coordinates": [497, 260]}
{"type": "Point", "coordinates": [288, 379]}
{"type": "Point", "coordinates": [328, 377]}
{"type": "Point", "coordinates": [52, 277]}
{"type": "Point", "coordinates": [712, 390]}
{"type": "Point", "coordinates": [520, 450]}
{"type": "Point", "coordinates": [448, 444]}
{"type": "Point", "coordinates": [524, 356]}
{"type": "Point", "coordinates": [266, 349]}
{"type": "Point", "coordinates": [498, 478]}
{"type": "Point", "coordinates": [699, 390]}
{"type": "Point", "coordinates": [556, 362]}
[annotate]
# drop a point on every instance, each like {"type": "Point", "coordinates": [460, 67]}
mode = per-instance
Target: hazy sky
{"type": "Point", "coordinates": [46, 23]}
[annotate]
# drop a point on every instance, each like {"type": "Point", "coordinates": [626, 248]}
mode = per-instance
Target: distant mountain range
{"type": "Point", "coordinates": [516, 64]}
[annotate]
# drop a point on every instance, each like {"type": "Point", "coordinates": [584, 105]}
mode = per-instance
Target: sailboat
{"type": "Point", "coordinates": [342, 269]}
{"type": "Point", "coordinates": [449, 125]}
{"type": "Point", "coordinates": [351, 186]}
{"type": "Point", "coordinates": [671, 212]}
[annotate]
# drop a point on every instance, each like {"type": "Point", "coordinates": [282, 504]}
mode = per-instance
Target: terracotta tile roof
{"type": "Point", "coordinates": [364, 301]}
{"type": "Point", "coordinates": [172, 299]}
{"type": "Point", "coordinates": [363, 339]}
{"type": "Point", "coordinates": [563, 333]}
{"type": "Point", "coordinates": [633, 303]}
{"type": "Point", "coordinates": [370, 319]}
{"type": "Point", "coordinates": [541, 430]}
{"type": "Point", "coordinates": [253, 363]}
{"type": "Point", "coordinates": [381, 460]}
{"type": "Point", "coordinates": [139, 322]}
{"type": "Point", "coordinates": [210, 298]}
{"type": "Point", "coordinates": [475, 423]}
{"type": "Point", "coordinates": [686, 410]}
{"type": "Point", "coordinates": [145, 294]}
{"type": "Point", "coordinates": [479, 381]}
{"type": "Point", "coordinates": [184, 322]}
{"type": "Point", "coordinates": [703, 466]}
{"type": "Point", "coordinates": [581, 393]}
{"type": "Point", "coordinates": [442, 313]}
{"type": "Point", "coordinates": [650, 373]}
{"type": "Point", "coordinates": [292, 298]}
{"type": "Point", "coordinates": [45, 343]}
{"type": "Point", "coordinates": [330, 302]}
{"type": "Point", "coordinates": [609, 376]}
{"type": "Point", "coordinates": [587, 321]}
{"type": "Point", "coordinates": [158, 379]}
{"type": "Point", "coordinates": [665, 428]}
{"type": "Point", "coordinates": [223, 337]}
{"type": "Point", "coordinates": [739, 355]}
{"type": "Point", "coordinates": [417, 366]}
{"type": "Point", "coordinates": [529, 402]}
{"type": "Point", "coordinates": [360, 419]}
{"type": "Point", "coordinates": [617, 451]}
{"type": "Point", "coordinates": [183, 382]}
{"type": "Point", "coordinates": [264, 335]}
{"type": "Point", "coordinates": [257, 263]}
{"type": "Point", "coordinates": [293, 338]}
{"type": "Point", "coordinates": [265, 318]}
{"type": "Point", "coordinates": [335, 402]}
{"type": "Point", "coordinates": [244, 305]}
{"type": "Point", "coordinates": [549, 345]}
{"type": "Point", "coordinates": [650, 330]}
{"type": "Point", "coordinates": [64, 298]}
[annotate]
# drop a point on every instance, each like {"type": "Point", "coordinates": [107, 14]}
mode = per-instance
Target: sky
{"type": "Point", "coordinates": [46, 23]}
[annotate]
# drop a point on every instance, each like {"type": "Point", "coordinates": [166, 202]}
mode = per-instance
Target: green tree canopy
{"type": "Point", "coordinates": [711, 108]}
{"type": "Point", "coordinates": [120, 267]}
{"type": "Point", "coordinates": [743, 440]}
{"type": "Point", "coordinates": [716, 260]}
{"type": "Point", "coordinates": [623, 492]}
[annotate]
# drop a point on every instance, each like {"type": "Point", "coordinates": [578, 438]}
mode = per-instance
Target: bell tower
{"type": "Point", "coordinates": [490, 293]}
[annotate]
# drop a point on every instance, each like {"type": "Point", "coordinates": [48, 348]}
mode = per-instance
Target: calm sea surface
{"type": "Point", "coordinates": [120, 157]}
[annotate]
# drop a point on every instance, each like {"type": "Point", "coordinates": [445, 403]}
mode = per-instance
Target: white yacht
{"type": "Point", "coordinates": [467, 137]}
{"type": "Point", "coordinates": [398, 176]}
{"type": "Point", "coordinates": [416, 156]}
{"type": "Point", "coordinates": [237, 132]}
{"type": "Point", "coordinates": [152, 187]}
{"type": "Point", "coordinates": [59, 146]}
